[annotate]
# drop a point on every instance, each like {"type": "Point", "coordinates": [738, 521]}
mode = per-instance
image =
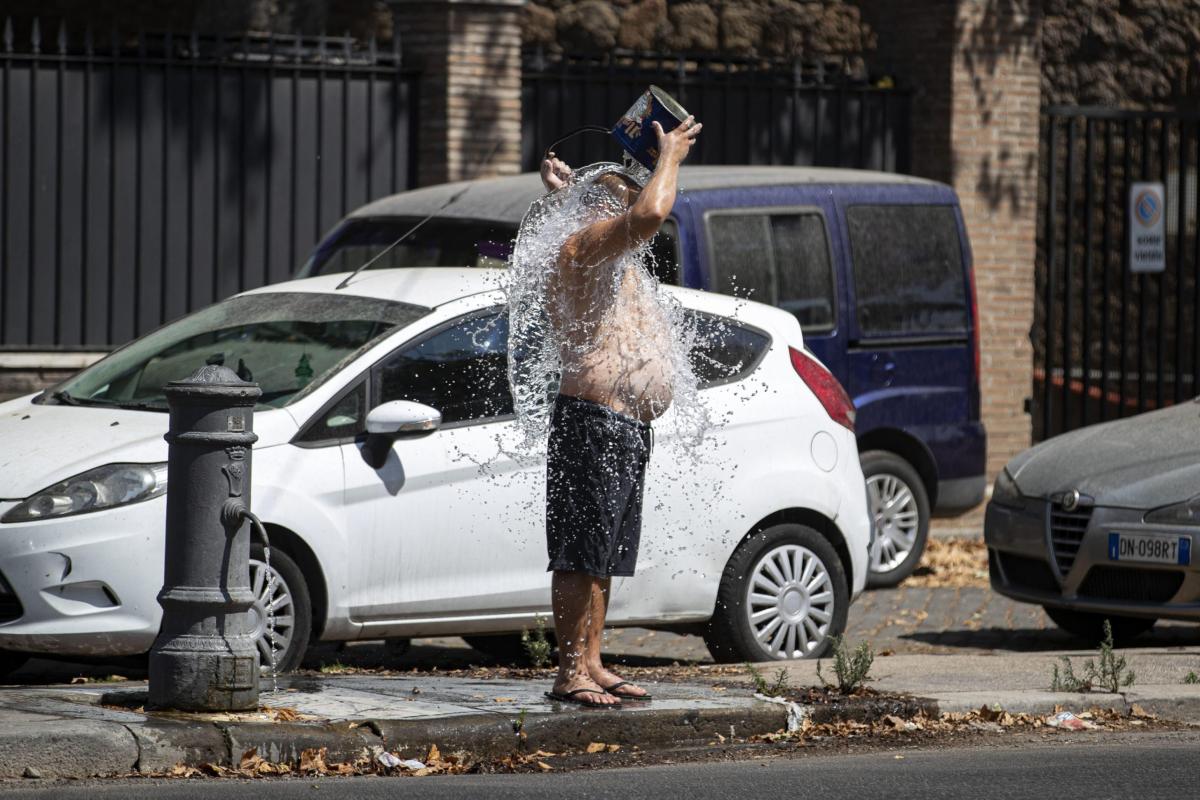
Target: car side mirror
{"type": "Point", "coordinates": [399, 418]}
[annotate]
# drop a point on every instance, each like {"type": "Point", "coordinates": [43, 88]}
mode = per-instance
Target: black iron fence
{"type": "Point", "coordinates": [1109, 342]}
{"type": "Point", "coordinates": [143, 177]}
{"type": "Point", "coordinates": [754, 111]}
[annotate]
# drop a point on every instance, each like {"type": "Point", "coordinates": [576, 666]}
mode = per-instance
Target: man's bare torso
{"type": "Point", "coordinates": [616, 347]}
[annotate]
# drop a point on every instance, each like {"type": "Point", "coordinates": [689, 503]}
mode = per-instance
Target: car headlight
{"type": "Point", "coordinates": [1005, 489]}
{"type": "Point", "coordinates": [103, 487]}
{"type": "Point", "coordinates": [1185, 513]}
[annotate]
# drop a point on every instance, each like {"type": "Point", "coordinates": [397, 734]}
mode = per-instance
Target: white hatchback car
{"type": "Point", "coordinates": [759, 545]}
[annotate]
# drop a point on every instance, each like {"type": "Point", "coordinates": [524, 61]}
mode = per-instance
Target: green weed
{"type": "Point", "coordinates": [852, 669]}
{"type": "Point", "coordinates": [1109, 674]}
{"type": "Point", "coordinates": [537, 647]}
{"type": "Point", "coordinates": [777, 689]}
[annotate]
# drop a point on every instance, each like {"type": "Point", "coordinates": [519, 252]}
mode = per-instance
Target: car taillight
{"type": "Point", "coordinates": [826, 387]}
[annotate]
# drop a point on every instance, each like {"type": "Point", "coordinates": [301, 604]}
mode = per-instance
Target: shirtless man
{"type": "Point", "coordinates": [616, 378]}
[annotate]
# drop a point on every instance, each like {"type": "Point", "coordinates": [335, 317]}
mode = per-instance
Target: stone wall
{"type": "Point", "coordinates": [1122, 53]}
{"type": "Point", "coordinates": [765, 28]}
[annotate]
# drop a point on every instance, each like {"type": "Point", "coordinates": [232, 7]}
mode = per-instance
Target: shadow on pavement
{"type": "Point", "coordinates": [430, 655]}
{"type": "Point", "coordinates": [1034, 640]}
{"type": "Point", "coordinates": [424, 655]}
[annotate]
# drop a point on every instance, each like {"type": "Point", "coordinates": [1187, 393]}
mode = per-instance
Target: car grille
{"type": "Point", "coordinates": [1066, 534]}
{"type": "Point", "coordinates": [1032, 573]}
{"type": "Point", "coordinates": [1125, 583]}
{"type": "Point", "coordinates": [10, 606]}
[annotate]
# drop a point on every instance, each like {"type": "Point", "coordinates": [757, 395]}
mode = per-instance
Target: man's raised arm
{"type": "Point", "coordinates": [607, 239]}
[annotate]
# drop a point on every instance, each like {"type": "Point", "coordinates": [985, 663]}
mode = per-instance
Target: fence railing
{"type": "Point", "coordinates": [142, 177]}
{"type": "Point", "coordinates": [1108, 342]}
{"type": "Point", "coordinates": [754, 111]}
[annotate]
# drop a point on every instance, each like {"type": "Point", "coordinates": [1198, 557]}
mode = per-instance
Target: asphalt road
{"type": "Point", "coordinates": [1114, 766]}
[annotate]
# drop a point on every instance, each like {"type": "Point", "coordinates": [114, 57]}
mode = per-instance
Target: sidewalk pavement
{"type": "Point", "coordinates": [1021, 682]}
{"type": "Point", "coordinates": [80, 731]}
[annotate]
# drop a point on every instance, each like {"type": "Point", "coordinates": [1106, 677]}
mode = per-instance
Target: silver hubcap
{"type": "Point", "coordinates": [790, 602]}
{"type": "Point", "coordinates": [273, 594]}
{"type": "Point", "coordinates": [894, 512]}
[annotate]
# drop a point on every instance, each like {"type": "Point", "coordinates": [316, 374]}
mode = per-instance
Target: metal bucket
{"type": "Point", "coordinates": [634, 131]}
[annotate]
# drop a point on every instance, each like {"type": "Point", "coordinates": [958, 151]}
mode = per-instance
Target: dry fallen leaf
{"type": "Point", "coordinates": [951, 563]}
{"type": "Point", "coordinates": [503, 700]}
{"type": "Point", "coordinates": [250, 759]}
{"type": "Point", "coordinates": [596, 747]}
{"type": "Point", "coordinates": [1137, 711]}
{"type": "Point", "coordinates": [544, 767]}
{"type": "Point", "coordinates": [434, 754]}
{"type": "Point", "coordinates": [312, 761]}
{"type": "Point", "coordinates": [283, 714]}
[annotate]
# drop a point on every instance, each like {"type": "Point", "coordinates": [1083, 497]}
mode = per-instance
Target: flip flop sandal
{"type": "Point", "coordinates": [570, 697]}
{"type": "Point", "coordinates": [637, 698]}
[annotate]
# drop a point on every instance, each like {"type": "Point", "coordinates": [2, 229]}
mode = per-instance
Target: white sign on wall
{"type": "Point", "coordinates": [1147, 240]}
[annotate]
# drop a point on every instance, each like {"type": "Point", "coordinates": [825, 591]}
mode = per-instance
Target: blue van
{"type": "Point", "coordinates": [875, 266]}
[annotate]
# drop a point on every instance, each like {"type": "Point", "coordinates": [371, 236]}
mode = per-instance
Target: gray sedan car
{"type": "Point", "coordinates": [1100, 524]}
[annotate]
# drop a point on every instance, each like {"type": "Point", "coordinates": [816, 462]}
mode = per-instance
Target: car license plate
{"type": "Point", "coordinates": [1155, 549]}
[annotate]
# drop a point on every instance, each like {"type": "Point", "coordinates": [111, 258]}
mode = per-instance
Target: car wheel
{"type": "Point", "coordinates": [10, 662]}
{"type": "Point", "coordinates": [1090, 627]}
{"type": "Point", "coordinates": [783, 595]}
{"type": "Point", "coordinates": [285, 591]}
{"type": "Point", "coordinates": [505, 647]}
{"type": "Point", "coordinates": [899, 507]}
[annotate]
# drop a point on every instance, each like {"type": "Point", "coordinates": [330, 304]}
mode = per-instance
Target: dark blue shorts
{"type": "Point", "coordinates": [595, 473]}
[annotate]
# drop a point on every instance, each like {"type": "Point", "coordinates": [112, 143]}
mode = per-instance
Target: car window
{"type": "Point", "coordinates": [461, 370]}
{"type": "Point", "coordinates": [723, 351]}
{"type": "Point", "coordinates": [438, 242]}
{"type": "Point", "coordinates": [803, 269]}
{"type": "Point", "coordinates": [781, 259]}
{"type": "Point", "coordinates": [908, 270]}
{"type": "Point", "coordinates": [286, 342]}
{"type": "Point", "coordinates": [664, 254]}
{"type": "Point", "coordinates": [345, 419]}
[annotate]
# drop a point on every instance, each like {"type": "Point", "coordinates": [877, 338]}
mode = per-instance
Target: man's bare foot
{"type": "Point", "coordinates": [594, 693]}
{"type": "Point", "coordinates": [605, 677]}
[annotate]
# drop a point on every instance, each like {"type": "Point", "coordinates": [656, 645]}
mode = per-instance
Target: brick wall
{"type": "Point", "coordinates": [975, 69]}
{"type": "Point", "coordinates": [996, 91]}
{"type": "Point", "coordinates": [470, 97]}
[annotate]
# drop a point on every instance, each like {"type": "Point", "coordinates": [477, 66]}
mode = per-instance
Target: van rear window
{"type": "Point", "coordinates": [908, 269]}
{"type": "Point", "coordinates": [778, 258]}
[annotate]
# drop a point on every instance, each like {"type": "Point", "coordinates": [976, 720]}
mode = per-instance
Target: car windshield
{"type": "Point", "coordinates": [288, 343]}
{"type": "Point", "coordinates": [437, 243]}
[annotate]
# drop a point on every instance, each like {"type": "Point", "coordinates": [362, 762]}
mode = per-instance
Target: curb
{"type": "Point", "coordinates": [648, 729]}
{"type": "Point", "coordinates": [63, 747]}
{"type": "Point", "coordinates": [1177, 704]}
{"type": "Point", "coordinates": [66, 748]}
{"type": "Point", "coordinates": [58, 746]}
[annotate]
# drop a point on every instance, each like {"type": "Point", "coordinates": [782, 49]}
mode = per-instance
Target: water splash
{"type": "Point", "coordinates": [621, 313]}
